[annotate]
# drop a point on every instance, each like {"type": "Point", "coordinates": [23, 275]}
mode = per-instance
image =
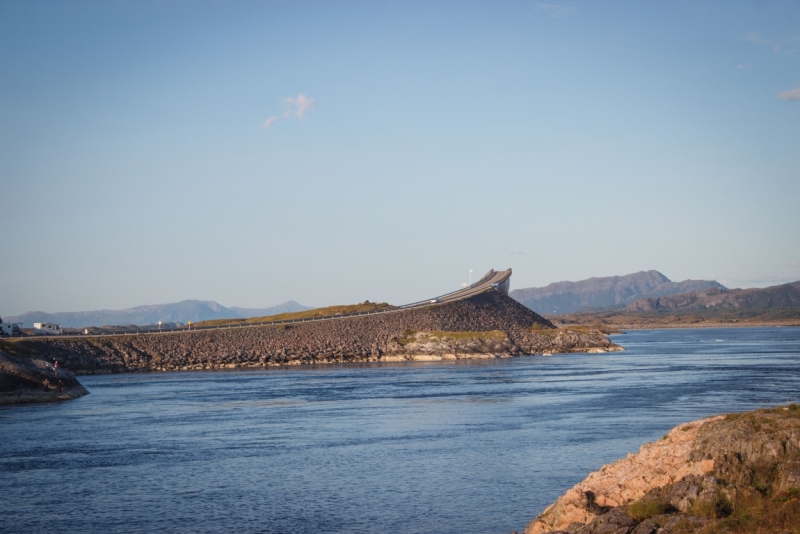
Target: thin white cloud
{"type": "Point", "coordinates": [742, 67]}
{"type": "Point", "coordinates": [755, 38]}
{"type": "Point", "coordinates": [556, 11]}
{"type": "Point", "coordinates": [295, 107]}
{"type": "Point", "coordinates": [794, 264]}
{"type": "Point", "coordinates": [779, 46]}
{"type": "Point", "coordinates": [791, 94]}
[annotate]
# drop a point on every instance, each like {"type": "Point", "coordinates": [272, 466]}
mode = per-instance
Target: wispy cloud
{"type": "Point", "coordinates": [794, 264]}
{"type": "Point", "coordinates": [779, 46]}
{"type": "Point", "coordinates": [791, 94]}
{"type": "Point", "coordinates": [742, 67]}
{"type": "Point", "coordinates": [556, 11]}
{"type": "Point", "coordinates": [295, 107]}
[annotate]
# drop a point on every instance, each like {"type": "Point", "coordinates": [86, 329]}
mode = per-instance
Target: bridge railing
{"type": "Point", "coordinates": [467, 292]}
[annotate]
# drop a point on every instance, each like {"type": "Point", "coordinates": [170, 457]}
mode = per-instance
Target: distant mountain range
{"type": "Point", "coordinates": [782, 296]}
{"type": "Point", "coordinates": [609, 292]}
{"type": "Point", "coordinates": [178, 312]}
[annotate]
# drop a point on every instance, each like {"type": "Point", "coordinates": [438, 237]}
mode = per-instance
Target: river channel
{"type": "Point", "coordinates": [461, 447]}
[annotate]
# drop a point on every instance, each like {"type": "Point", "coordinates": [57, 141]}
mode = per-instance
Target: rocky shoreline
{"type": "Point", "coordinates": [488, 325]}
{"type": "Point", "coordinates": [729, 473]}
{"type": "Point", "coordinates": [22, 381]}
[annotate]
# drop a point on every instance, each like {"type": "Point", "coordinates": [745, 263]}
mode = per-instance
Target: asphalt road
{"type": "Point", "coordinates": [484, 284]}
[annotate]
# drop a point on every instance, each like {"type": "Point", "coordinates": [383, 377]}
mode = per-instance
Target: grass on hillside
{"type": "Point", "coordinates": [16, 349]}
{"type": "Point", "coordinates": [577, 328]}
{"type": "Point", "coordinates": [307, 314]}
{"type": "Point", "coordinates": [758, 505]}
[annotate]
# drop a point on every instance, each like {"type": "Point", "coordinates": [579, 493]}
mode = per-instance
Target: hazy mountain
{"type": "Point", "coordinates": [604, 292]}
{"type": "Point", "coordinates": [178, 312]}
{"type": "Point", "coordinates": [287, 307]}
{"type": "Point", "coordinates": [782, 296]}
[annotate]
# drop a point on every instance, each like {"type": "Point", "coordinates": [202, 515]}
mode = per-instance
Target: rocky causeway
{"type": "Point", "coordinates": [487, 325]}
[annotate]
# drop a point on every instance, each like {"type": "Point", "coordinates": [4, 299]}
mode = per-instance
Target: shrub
{"type": "Point", "coordinates": [704, 509]}
{"type": "Point", "coordinates": [642, 510]}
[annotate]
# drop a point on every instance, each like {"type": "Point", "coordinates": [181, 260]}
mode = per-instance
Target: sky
{"type": "Point", "coordinates": [332, 152]}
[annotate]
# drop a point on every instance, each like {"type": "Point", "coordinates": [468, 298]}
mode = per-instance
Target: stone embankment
{"type": "Point", "coordinates": [23, 379]}
{"type": "Point", "coordinates": [488, 325]}
{"type": "Point", "coordinates": [734, 473]}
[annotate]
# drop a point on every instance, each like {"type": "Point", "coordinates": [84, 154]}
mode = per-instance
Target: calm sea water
{"type": "Point", "coordinates": [441, 447]}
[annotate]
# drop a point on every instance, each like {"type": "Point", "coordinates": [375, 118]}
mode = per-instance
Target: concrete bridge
{"type": "Point", "coordinates": [491, 281]}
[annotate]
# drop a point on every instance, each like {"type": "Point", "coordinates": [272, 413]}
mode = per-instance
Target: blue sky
{"type": "Point", "coordinates": [332, 152]}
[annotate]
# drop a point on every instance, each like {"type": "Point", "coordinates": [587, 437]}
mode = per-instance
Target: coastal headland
{"type": "Point", "coordinates": [485, 323]}
{"type": "Point", "coordinates": [737, 473]}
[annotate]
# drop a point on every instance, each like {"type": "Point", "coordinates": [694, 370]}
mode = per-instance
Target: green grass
{"type": "Point", "coordinates": [642, 510]}
{"type": "Point", "coordinates": [589, 329]}
{"type": "Point", "coordinates": [307, 314]}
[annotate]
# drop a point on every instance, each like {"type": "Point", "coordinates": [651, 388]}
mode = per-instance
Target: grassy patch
{"type": "Point", "coordinates": [593, 329]}
{"type": "Point", "coordinates": [307, 314]}
{"type": "Point", "coordinates": [704, 509]}
{"type": "Point", "coordinates": [642, 510]}
{"type": "Point", "coordinates": [16, 349]}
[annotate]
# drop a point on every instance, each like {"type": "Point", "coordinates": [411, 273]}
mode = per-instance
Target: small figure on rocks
{"type": "Point", "coordinates": [46, 384]}
{"type": "Point", "coordinates": [60, 385]}
{"type": "Point", "coordinates": [55, 364]}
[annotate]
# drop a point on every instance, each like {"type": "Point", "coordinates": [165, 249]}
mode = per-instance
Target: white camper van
{"type": "Point", "coordinates": [47, 329]}
{"type": "Point", "coordinates": [9, 329]}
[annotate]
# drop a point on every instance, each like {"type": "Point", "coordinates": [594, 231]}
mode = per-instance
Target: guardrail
{"type": "Point", "coordinates": [477, 288]}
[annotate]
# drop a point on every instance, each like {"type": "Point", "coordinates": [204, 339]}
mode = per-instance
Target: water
{"type": "Point", "coordinates": [438, 447]}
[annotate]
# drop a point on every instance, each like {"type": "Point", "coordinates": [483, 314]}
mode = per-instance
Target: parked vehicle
{"type": "Point", "coordinates": [47, 329]}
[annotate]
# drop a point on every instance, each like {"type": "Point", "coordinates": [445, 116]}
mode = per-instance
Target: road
{"type": "Point", "coordinates": [493, 280]}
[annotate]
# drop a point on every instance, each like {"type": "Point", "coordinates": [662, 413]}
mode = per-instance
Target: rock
{"type": "Point", "coordinates": [22, 378]}
{"type": "Point", "coordinates": [743, 465]}
{"type": "Point", "coordinates": [488, 325]}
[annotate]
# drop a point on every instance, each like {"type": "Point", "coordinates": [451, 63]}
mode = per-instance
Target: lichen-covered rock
{"type": "Point", "coordinates": [655, 465]}
{"type": "Point", "coordinates": [735, 473]}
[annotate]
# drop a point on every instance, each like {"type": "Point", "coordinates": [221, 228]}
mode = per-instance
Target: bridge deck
{"type": "Point", "coordinates": [493, 280]}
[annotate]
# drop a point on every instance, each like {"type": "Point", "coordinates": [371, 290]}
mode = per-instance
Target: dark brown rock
{"type": "Point", "coordinates": [22, 381]}
{"type": "Point", "coordinates": [501, 327]}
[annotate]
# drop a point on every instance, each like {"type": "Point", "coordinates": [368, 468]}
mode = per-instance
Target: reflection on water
{"type": "Point", "coordinates": [478, 446]}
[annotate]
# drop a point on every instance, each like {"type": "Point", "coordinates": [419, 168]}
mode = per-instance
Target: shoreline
{"type": "Point", "coordinates": [622, 327]}
{"type": "Point", "coordinates": [487, 325]}
{"type": "Point", "coordinates": [370, 362]}
{"type": "Point", "coordinates": [736, 472]}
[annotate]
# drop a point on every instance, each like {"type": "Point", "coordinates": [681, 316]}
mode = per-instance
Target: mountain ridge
{"type": "Point", "coordinates": [176, 312]}
{"type": "Point", "coordinates": [608, 292]}
{"type": "Point", "coordinates": [780, 296]}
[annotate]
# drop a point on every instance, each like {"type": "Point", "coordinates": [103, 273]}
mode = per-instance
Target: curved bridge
{"type": "Point", "coordinates": [498, 280]}
{"type": "Point", "coordinates": [491, 281]}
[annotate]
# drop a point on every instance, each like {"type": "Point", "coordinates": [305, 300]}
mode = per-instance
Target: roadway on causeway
{"type": "Point", "coordinates": [491, 280]}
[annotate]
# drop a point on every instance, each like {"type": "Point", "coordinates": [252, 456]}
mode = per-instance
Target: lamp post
{"type": "Point", "coordinates": [470, 277]}
{"type": "Point", "coordinates": [159, 326]}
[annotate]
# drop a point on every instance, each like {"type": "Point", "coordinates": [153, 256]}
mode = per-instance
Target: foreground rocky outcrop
{"type": "Point", "coordinates": [732, 473]}
{"type": "Point", "coordinates": [487, 325]}
{"type": "Point", "coordinates": [22, 380]}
